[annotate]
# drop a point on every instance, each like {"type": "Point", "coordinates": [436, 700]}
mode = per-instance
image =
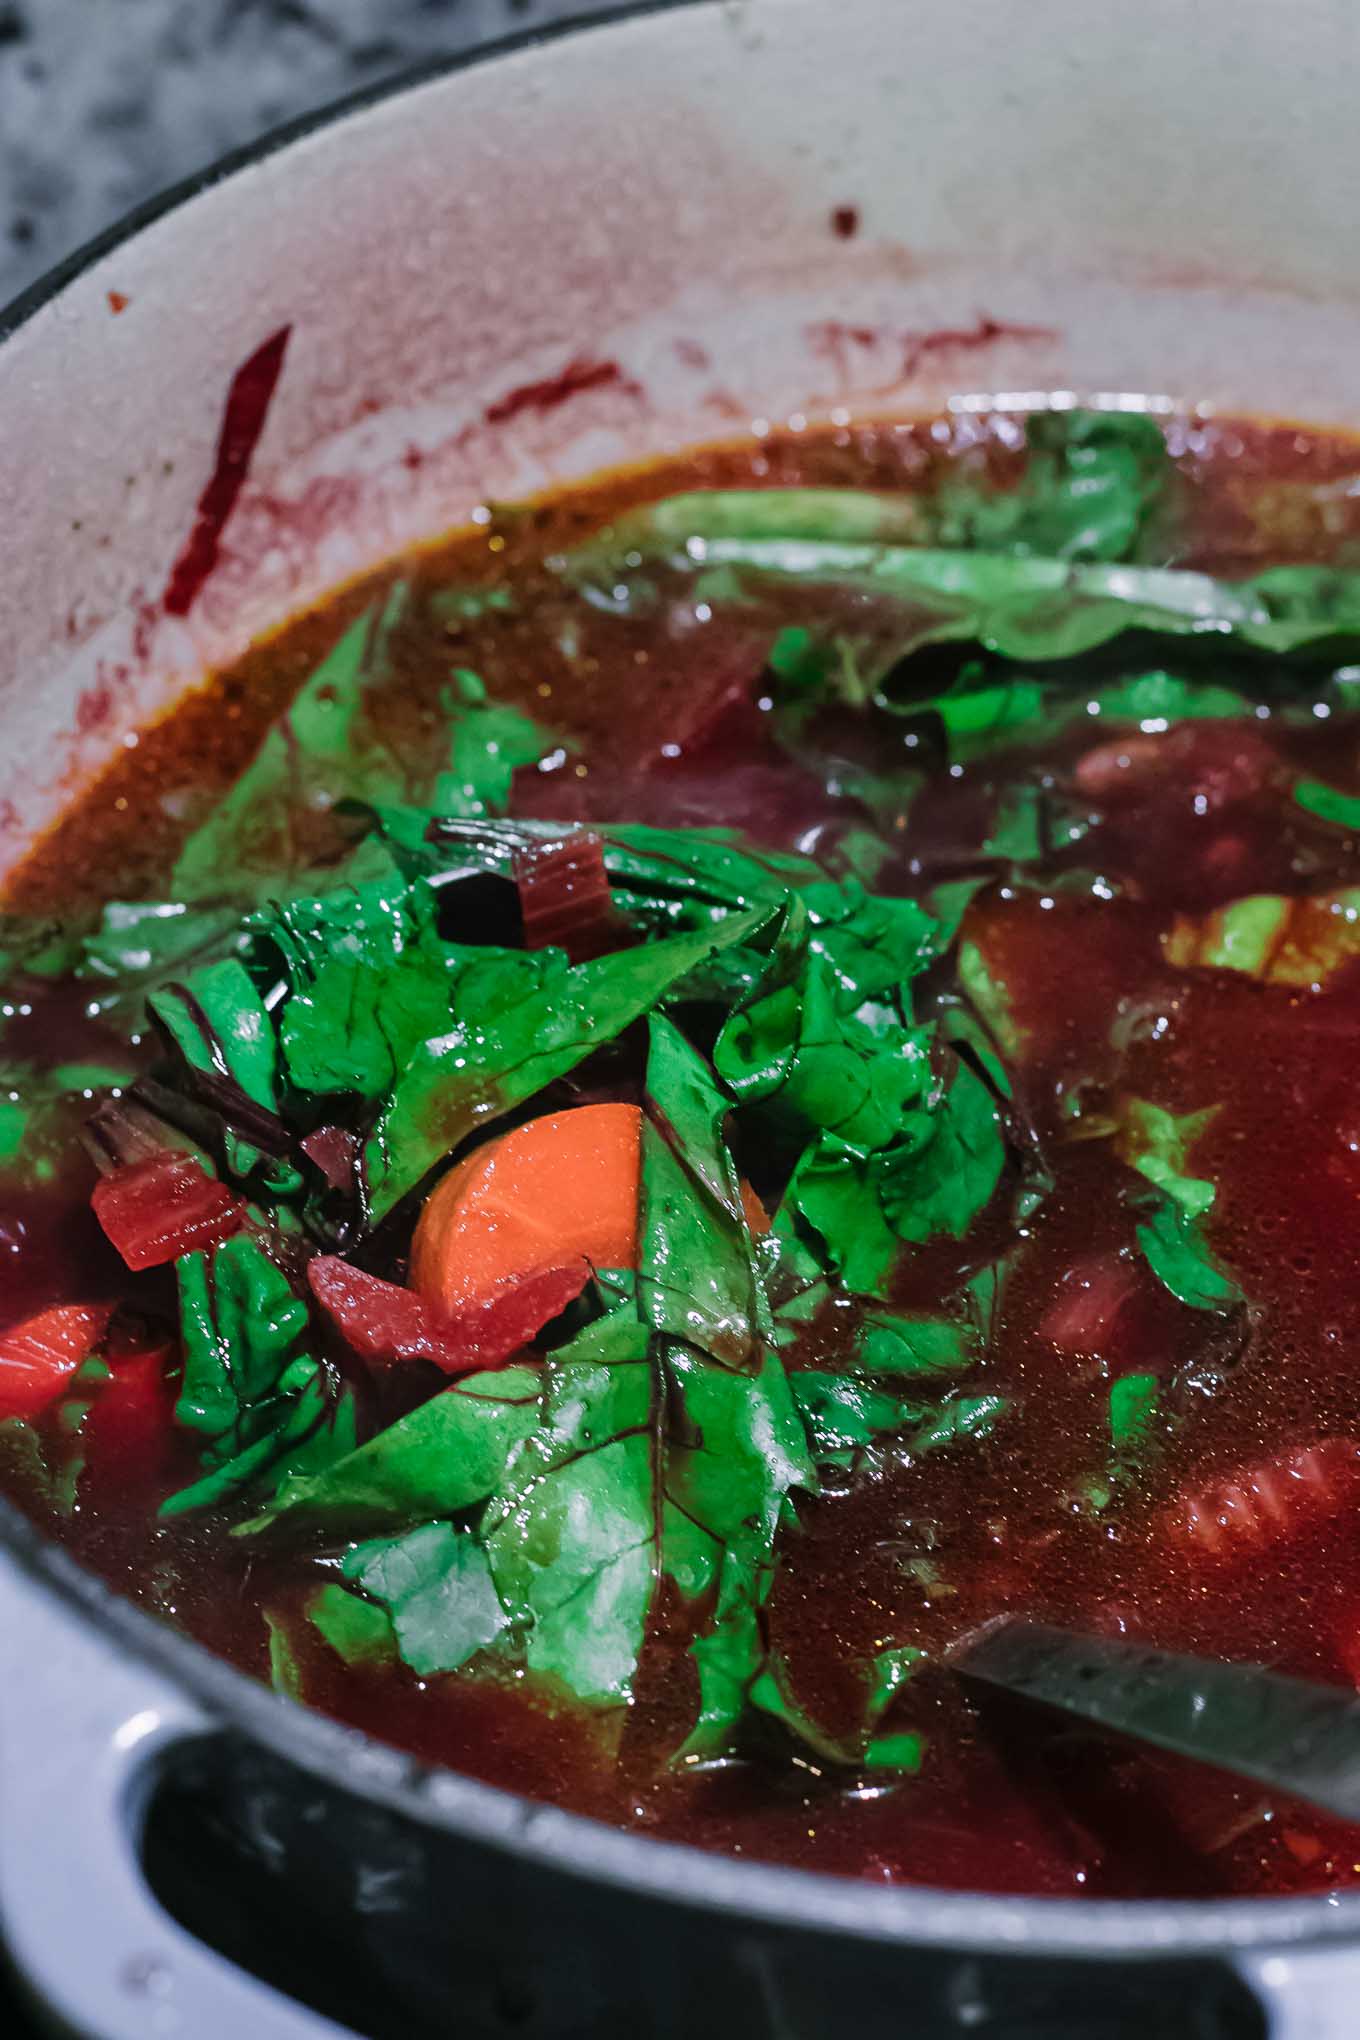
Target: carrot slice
{"type": "Point", "coordinates": [39, 1356]}
{"type": "Point", "coordinates": [559, 1190]}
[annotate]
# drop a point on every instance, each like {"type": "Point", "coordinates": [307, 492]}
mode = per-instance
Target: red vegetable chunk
{"type": "Point", "coordinates": [384, 1322]}
{"type": "Point", "coordinates": [1235, 1519]}
{"type": "Point", "coordinates": [335, 1152]}
{"type": "Point", "coordinates": [39, 1356]}
{"type": "Point", "coordinates": [1204, 766]}
{"type": "Point", "coordinates": [565, 898]}
{"type": "Point", "coordinates": [1092, 1306]}
{"type": "Point", "coordinates": [129, 1436]}
{"type": "Point", "coordinates": [156, 1210]}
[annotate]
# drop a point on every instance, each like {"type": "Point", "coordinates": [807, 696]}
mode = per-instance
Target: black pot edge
{"type": "Point", "coordinates": [574, 1843]}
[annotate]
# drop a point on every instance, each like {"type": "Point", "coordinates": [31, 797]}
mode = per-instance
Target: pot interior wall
{"type": "Point", "coordinates": [661, 209]}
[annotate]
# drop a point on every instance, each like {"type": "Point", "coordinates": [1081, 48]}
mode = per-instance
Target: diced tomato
{"type": "Point", "coordinates": [157, 1209]}
{"type": "Point", "coordinates": [1237, 1518]}
{"type": "Point", "coordinates": [565, 898]}
{"type": "Point", "coordinates": [39, 1356]}
{"type": "Point", "coordinates": [384, 1322]}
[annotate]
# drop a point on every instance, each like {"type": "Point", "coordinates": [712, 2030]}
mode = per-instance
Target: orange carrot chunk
{"type": "Point", "coordinates": [560, 1189]}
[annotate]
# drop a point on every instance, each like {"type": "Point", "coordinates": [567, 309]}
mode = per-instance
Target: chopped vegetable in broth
{"type": "Point", "coordinates": [630, 1129]}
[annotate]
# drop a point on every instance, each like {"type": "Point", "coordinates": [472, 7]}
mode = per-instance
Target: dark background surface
{"type": "Point", "coordinates": [105, 102]}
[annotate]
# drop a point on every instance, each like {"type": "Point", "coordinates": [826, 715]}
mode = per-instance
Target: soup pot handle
{"type": "Point", "coordinates": [85, 1726]}
{"type": "Point", "coordinates": [1308, 1993]}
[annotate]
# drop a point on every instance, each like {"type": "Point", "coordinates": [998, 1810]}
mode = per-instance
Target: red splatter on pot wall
{"type": "Point", "coordinates": [247, 407]}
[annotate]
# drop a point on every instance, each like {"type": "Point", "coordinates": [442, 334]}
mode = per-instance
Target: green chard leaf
{"type": "Point", "coordinates": [834, 1190]}
{"type": "Point", "coordinates": [1165, 698]}
{"type": "Point", "coordinates": [698, 1278]}
{"type": "Point", "coordinates": [962, 1416]}
{"type": "Point", "coordinates": [940, 1186]}
{"type": "Point", "coordinates": [665, 881]}
{"type": "Point", "coordinates": [773, 1693]}
{"type": "Point", "coordinates": [844, 1415]}
{"type": "Point", "coordinates": [571, 1530]}
{"type": "Point", "coordinates": [312, 1424]}
{"type": "Point", "coordinates": [1178, 1255]}
{"type": "Point", "coordinates": [285, 1666]}
{"type": "Point", "coordinates": [736, 1444]}
{"type": "Point", "coordinates": [795, 1280]}
{"type": "Point", "coordinates": [487, 745]}
{"type": "Point", "coordinates": [220, 1026]}
{"type": "Point", "coordinates": [435, 1586]}
{"type": "Point", "coordinates": [507, 1041]}
{"type": "Point", "coordinates": [1092, 485]}
{"type": "Point", "coordinates": [42, 1111]}
{"type": "Point", "coordinates": [1328, 802]}
{"type": "Point", "coordinates": [732, 1488]}
{"type": "Point", "coordinates": [1032, 825]}
{"type": "Point", "coordinates": [442, 1458]}
{"type": "Point", "coordinates": [1133, 1406]}
{"type": "Point", "coordinates": [305, 760]}
{"type": "Point", "coordinates": [1157, 1144]}
{"type": "Point", "coordinates": [817, 1068]}
{"type": "Point", "coordinates": [141, 944]}
{"type": "Point", "coordinates": [37, 946]}
{"type": "Point", "coordinates": [241, 1325]}
{"type": "Point", "coordinates": [327, 747]}
{"type": "Point", "coordinates": [359, 1632]}
{"type": "Point", "coordinates": [922, 1347]}
{"type": "Point", "coordinates": [1036, 610]}
{"type": "Point", "coordinates": [47, 1460]}
{"type": "Point", "coordinates": [369, 981]}
{"type": "Point", "coordinates": [265, 1408]}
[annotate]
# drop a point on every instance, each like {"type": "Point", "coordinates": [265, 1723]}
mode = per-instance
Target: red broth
{"type": "Point", "coordinates": [665, 718]}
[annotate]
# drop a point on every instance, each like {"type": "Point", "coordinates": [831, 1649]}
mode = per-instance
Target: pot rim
{"type": "Point", "coordinates": [576, 1844]}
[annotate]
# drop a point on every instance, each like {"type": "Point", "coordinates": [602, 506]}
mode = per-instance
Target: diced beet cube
{"type": "Point", "coordinates": [155, 1210]}
{"type": "Point", "coordinates": [565, 898]}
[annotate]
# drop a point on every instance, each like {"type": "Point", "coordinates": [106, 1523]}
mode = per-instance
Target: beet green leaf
{"type": "Point", "coordinates": [265, 1408]}
{"type": "Point", "coordinates": [494, 1055]}
{"type": "Point", "coordinates": [436, 1588]}
{"type": "Point", "coordinates": [443, 1458]}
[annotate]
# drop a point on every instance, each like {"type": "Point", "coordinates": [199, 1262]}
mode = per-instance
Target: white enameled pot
{"type": "Point", "coordinates": [695, 221]}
